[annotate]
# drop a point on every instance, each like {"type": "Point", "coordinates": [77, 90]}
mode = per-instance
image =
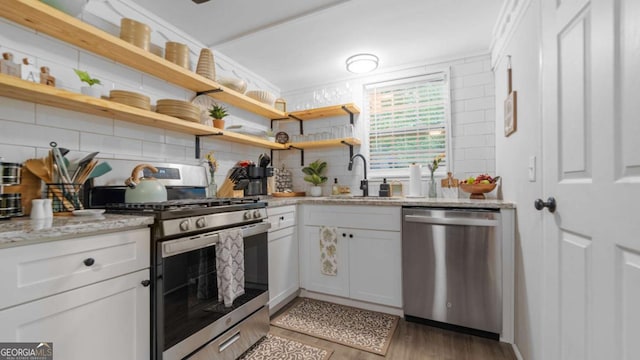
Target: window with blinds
{"type": "Point", "coordinates": [408, 123]}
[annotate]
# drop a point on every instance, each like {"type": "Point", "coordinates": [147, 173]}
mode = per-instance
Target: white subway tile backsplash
{"type": "Point", "coordinates": [17, 110]}
{"type": "Point", "coordinates": [479, 128]}
{"type": "Point", "coordinates": [108, 71]}
{"type": "Point", "coordinates": [469, 117]}
{"type": "Point", "coordinates": [467, 69]}
{"type": "Point", "coordinates": [110, 144]}
{"type": "Point", "coordinates": [480, 153]}
{"type": "Point", "coordinates": [164, 151]}
{"type": "Point", "coordinates": [16, 133]}
{"type": "Point", "coordinates": [66, 119]}
{"type": "Point", "coordinates": [134, 131]}
{"type": "Point", "coordinates": [484, 78]}
{"type": "Point", "coordinates": [466, 93]}
{"type": "Point", "coordinates": [484, 103]}
{"type": "Point", "coordinates": [471, 141]}
{"type": "Point", "coordinates": [16, 153]}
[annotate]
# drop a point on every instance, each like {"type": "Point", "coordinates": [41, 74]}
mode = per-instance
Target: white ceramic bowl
{"type": "Point", "coordinates": [238, 85]}
{"type": "Point", "coordinates": [263, 96]}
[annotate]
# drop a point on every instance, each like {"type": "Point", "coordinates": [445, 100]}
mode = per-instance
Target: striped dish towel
{"type": "Point", "coordinates": [230, 265]}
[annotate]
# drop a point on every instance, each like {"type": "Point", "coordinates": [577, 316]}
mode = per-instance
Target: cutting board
{"type": "Point", "coordinates": [288, 194]}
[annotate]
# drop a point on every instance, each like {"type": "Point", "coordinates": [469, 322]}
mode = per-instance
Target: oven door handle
{"type": "Point", "coordinates": [175, 247]}
{"type": "Point", "coordinates": [255, 229]}
{"type": "Point", "coordinates": [179, 246]}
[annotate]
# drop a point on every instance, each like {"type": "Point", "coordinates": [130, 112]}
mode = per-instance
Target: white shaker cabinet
{"type": "Point", "coordinates": [369, 252]}
{"type": "Point", "coordinates": [283, 255]}
{"type": "Point", "coordinates": [90, 295]}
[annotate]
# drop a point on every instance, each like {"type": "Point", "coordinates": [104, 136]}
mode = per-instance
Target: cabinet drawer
{"type": "Point", "coordinates": [354, 216]}
{"type": "Point", "coordinates": [281, 217]}
{"type": "Point", "coordinates": [39, 270]}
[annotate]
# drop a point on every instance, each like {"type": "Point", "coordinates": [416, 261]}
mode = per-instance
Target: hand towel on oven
{"type": "Point", "coordinates": [230, 265]}
{"type": "Point", "coordinates": [329, 250]}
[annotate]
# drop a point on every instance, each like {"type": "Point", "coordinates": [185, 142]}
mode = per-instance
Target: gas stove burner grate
{"type": "Point", "coordinates": [182, 204]}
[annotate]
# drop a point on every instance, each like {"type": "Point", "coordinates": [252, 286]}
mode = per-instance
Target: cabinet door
{"type": "Point", "coordinates": [375, 272]}
{"type": "Point", "coordinates": [283, 265]}
{"type": "Point", "coordinates": [104, 321]}
{"type": "Point", "coordinates": [317, 281]}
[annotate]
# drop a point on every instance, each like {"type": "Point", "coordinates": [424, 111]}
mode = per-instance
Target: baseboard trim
{"type": "Point", "coordinates": [354, 303]}
{"type": "Point", "coordinates": [517, 352]}
{"type": "Point", "coordinates": [282, 302]}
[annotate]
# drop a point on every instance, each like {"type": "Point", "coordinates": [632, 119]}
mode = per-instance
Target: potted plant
{"type": "Point", "coordinates": [89, 90]}
{"type": "Point", "coordinates": [218, 112]}
{"type": "Point", "coordinates": [314, 175]}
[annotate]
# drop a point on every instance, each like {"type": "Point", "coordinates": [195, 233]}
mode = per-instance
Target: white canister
{"type": "Point", "coordinates": [415, 186]}
{"type": "Point", "coordinates": [37, 209]}
{"type": "Point", "coordinates": [47, 205]}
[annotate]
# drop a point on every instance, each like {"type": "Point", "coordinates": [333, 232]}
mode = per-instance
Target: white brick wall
{"type": "Point", "coordinates": [472, 124]}
{"type": "Point", "coordinates": [27, 128]}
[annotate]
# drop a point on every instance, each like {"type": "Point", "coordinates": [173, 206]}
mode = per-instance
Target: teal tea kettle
{"type": "Point", "coordinates": [141, 190]}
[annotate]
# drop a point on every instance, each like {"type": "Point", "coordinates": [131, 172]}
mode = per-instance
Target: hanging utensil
{"type": "Point", "coordinates": [82, 163]}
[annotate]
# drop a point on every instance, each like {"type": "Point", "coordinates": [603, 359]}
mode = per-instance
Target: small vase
{"type": "Point", "coordinates": [316, 191]}
{"type": "Point", "coordinates": [212, 188]}
{"type": "Point", "coordinates": [432, 188]}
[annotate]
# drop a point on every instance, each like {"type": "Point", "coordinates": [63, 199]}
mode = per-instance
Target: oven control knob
{"type": "Point", "coordinates": [184, 225]}
{"type": "Point", "coordinates": [200, 223]}
{"type": "Point", "coordinates": [256, 214]}
{"type": "Point", "coordinates": [247, 215]}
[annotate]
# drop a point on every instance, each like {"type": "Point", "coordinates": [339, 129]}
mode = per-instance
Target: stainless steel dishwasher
{"type": "Point", "coordinates": [452, 268]}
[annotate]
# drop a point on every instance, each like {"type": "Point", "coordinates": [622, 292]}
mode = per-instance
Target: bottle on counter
{"type": "Point", "coordinates": [335, 189]}
{"type": "Point", "coordinates": [385, 189]}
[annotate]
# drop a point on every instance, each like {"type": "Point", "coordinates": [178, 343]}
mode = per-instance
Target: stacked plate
{"type": "Point", "coordinates": [177, 53]}
{"type": "Point", "coordinates": [130, 98]}
{"type": "Point", "coordinates": [206, 66]}
{"type": "Point", "coordinates": [135, 32]}
{"type": "Point", "coordinates": [180, 109]}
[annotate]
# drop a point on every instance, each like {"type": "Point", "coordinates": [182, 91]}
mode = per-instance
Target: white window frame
{"type": "Point", "coordinates": [403, 174]}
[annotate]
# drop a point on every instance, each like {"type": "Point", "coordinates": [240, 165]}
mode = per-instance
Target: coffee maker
{"type": "Point", "coordinates": [258, 179]}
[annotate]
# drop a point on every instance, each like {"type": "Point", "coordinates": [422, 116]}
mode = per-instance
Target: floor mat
{"type": "Point", "coordinates": [279, 347]}
{"type": "Point", "coordinates": [362, 329]}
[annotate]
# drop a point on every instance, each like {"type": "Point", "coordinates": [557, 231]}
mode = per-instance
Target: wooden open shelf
{"type": "Point", "coordinates": [48, 20]}
{"type": "Point", "coordinates": [325, 143]}
{"type": "Point", "coordinates": [16, 88]}
{"type": "Point", "coordinates": [325, 112]}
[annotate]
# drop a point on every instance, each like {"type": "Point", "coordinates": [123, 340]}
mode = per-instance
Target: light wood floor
{"type": "Point", "coordinates": [416, 341]}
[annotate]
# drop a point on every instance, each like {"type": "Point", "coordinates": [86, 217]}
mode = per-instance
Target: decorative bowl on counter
{"type": "Point", "coordinates": [234, 84]}
{"type": "Point", "coordinates": [263, 96]}
{"type": "Point", "coordinates": [477, 191]}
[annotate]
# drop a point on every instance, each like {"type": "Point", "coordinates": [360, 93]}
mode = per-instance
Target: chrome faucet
{"type": "Point", "coordinates": [364, 184]}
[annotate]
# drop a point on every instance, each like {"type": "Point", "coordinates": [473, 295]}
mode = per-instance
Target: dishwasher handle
{"type": "Point", "coordinates": [450, 221]}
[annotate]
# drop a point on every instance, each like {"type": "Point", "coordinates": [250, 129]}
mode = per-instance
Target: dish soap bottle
{"type": "Point", "coordinates": [385, 189]}
{"type": "Point", "coordinates": [335, 189]}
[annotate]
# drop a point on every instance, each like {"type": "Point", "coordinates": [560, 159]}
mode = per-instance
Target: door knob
{"type": "Point", "coordinates": [549, 204]}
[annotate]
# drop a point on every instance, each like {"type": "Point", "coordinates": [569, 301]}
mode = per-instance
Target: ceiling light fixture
{"type": "Point", "coordinates": [362, 63]}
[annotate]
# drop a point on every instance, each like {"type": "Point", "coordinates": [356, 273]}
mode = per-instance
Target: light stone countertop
{"type": "Point", "coordinates": [392, 201]}
{"type": "Point", "coordinates": [24, 231]}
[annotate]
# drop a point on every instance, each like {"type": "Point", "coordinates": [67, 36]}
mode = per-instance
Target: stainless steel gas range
{"type": "Point", "coordinates": [188, 320]}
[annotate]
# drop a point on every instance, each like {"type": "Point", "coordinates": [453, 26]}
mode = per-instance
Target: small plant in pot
{"type": "Point", "coordinates": [314, 175]}
{"type": "Point", "coordinates": [218, 113]}
{"type": "Point", "coordinates": [90, 90]}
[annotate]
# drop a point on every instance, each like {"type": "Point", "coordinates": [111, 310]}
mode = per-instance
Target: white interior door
{"type": "Point", "coordinates": [591, 82]}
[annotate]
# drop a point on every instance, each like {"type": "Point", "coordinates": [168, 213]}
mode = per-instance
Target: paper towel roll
{"type": "Point", "coordinates": [415, 188]}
